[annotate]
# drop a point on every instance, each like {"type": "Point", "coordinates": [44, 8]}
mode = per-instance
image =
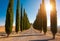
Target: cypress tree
{"type": "Point", "coordinates": [53, 18]}
{"type": "Point", "coordinates": [9, 18]}
{"type": "Point", "coordinates": [44, 18]}
{"type": "Point", "coordinates": [17, 17]}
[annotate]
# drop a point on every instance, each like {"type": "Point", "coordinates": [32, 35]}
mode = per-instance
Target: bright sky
{"type": "Point", "coordinates": [31, 7]}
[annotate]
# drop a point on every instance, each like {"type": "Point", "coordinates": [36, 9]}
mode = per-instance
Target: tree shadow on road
{"type": "Point", "coordinates": [24, 35]}
{"type": "Point", "coordinates": [42, 39]}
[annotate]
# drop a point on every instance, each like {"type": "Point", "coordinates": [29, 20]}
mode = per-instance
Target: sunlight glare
{"type": "Point", "coordinates": [48, 7]}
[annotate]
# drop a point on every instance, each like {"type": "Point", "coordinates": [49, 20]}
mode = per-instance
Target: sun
{"type": "Point", "coordinates": [48, 7]}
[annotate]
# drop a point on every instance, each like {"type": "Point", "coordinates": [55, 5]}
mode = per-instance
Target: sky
{"type": "Point", "coordinates": [31, 7]}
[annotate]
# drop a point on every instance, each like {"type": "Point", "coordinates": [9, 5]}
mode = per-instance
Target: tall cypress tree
{"type": "Point", "coordinates": [44, 18]}
{"type": "Point", "coordinates": [53, 18]}
{"type": "Point", "coordinates": [9, 18]}
{"type": "Point", "coordinates": [17, 16]}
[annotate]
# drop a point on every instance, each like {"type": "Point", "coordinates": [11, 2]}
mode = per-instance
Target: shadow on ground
{"type": "Point", "coordinates": [24, 35]}
{"type": "Point", "coordinates": [42, 40]}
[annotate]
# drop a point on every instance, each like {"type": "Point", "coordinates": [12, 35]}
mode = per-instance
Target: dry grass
{"type": "Point", "coordinates": [2, 29]}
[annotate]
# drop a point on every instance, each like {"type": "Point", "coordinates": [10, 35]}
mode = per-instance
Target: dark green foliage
{"type": "Point", "coordinates": [21, 20]}
{"type": "Point", "coordinates": [36, 25]}
{"type": "Point", "coordinates": [53, 19]}
{"type": "Point", "coordinates": [38, 22]}
{"type": "Point", "coordinates": [9, 18]}
{"type": "Point", "coordinates": [17, 17]}
{"type": "Point", "coordinates": [26, 24]}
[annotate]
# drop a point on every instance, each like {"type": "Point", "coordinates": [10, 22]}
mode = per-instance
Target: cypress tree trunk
{"type": "Point", "coordinates": [9, 18]}
{"type": "Point", "coordinates": [53, 18]}
{"type": "Point", "coordinates": [17, 16]}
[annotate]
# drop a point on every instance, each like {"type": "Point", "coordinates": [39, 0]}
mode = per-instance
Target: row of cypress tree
{"type": "Point", "coordinates": [41, 20]}
{"type": "Point", "coordinates": [38, 22]}
{"type": "Point", "coordinates": [22, 22]}
{"type": "Point", "coordinates": [26, 24]}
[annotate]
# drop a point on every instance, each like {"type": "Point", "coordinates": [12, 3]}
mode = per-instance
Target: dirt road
{"type": "Point", "coordinates": [30, 35]}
